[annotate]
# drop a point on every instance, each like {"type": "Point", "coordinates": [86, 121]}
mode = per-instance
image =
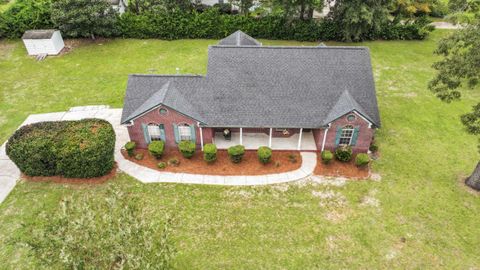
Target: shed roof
{"type": "Point", "coordinates": [265, 86]}
{"type": "Point", "coordinates": [39, 34]}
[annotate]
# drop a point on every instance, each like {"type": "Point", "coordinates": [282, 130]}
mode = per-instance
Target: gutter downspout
{"type": "Point", "coordinates": [325, 136]}
{"type": "Point", "coordinates": [201, 134]}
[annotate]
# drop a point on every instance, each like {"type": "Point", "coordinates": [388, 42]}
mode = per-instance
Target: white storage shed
{"type": "Point", "coordinates": [46, 42]}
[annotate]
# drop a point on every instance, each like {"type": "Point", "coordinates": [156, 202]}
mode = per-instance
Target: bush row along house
{"type": "Point", "coordinates": [288, 98]}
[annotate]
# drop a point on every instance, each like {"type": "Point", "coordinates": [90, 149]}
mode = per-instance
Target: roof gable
{"type": "Point", "coordinates": [239, 38]}
{"type": "Point", "coordinates": [345, 104]}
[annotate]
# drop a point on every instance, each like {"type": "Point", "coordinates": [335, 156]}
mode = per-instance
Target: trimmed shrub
{"type": "Point", "coordinates": [292, 158]}
{"type": "Point", "coordinates": [264, 154]}
{"type": "Point", "coordinates": [236, 153]}
{"type": "Point", "coordinates": [156, 148]}
{"type": "Point", "coordinates": [344, 153]}
{"type": "Point", "coordinates": [87, 149]}
{"type": "Point", "coordinates": [76, 149]}
{"type": "Point", "coordinates": [187, 148]}
{"type": "Point", "coordinates": [130, 148]}
{"type": "Point", "coordinates": [139, 156]}
{"type": "Point", "coordinates": [362, 160]}
{"type": "Point", "coordinates": [162, 165]}
{"type": "Point", "coordinates": [210, 152]}
{"type": "Point", "coordinates": [373, 147]}
{"type": "Point", "coordinates": [33, 148]}
{"type": "Point", "coordinates": [327, 156]}
{"type": "Point", "coordinates": [173, 162]}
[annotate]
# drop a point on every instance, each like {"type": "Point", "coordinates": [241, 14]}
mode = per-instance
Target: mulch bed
{"type": "Point", "coordinates": [64, 180]}
{"type": "Point", "coordinates": [222, 166]}
{"type": "Point", "coordinates": [341, 169]}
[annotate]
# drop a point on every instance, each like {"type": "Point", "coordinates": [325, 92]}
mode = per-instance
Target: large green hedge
{"type": "Point", "coordinates": [24, 15]}
{"type": "Point", "coordinates": [211, 23]}
{"type": "Point", "coordinates": [77, 149]}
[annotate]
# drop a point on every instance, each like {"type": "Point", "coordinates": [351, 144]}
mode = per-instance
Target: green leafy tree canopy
{"type": "Point", "coordinates": [84, 18]}
{"type": "Point", "coordinates": [460, 67]}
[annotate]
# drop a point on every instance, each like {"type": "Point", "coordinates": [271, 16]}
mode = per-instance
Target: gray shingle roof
{"type": "Point", "coordinates": [253, 86]}
{"type": "Point", "coordinates": [38, 34]}
{"type": "Point", "coordinates": [145, 92]}
{"type": "Point", "coordinates": [239, 38]}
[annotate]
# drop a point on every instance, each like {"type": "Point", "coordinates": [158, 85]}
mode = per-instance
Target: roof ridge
{"type": "Point", "coordinates": [165, 75]}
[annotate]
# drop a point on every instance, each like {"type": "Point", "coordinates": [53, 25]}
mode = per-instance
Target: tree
{"type": "Point", "coordinates": [84, 18]}
{"type": "Point", "coordinates": [460, 65]}
{"type": "Point", "coordinates": [111, 231]}
{"type": "Point", "coordinates": [24, 15]}
{"type": "Point", "coordinates": [243, 5]}
{"type": "Point", "coordinates": [409, 9]}
{"type": "Point", "coordinates": [463, 11]}
{"type": "Point", "coordinates": [302, 9]}
{"type": "Point", "coordinates": [358, 17]}
{"type": "Point", "coordinates": [143, 6]}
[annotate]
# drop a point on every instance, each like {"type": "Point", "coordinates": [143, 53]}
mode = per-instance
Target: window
{"type": "Point", "coordinates": [351, 118]}
{"type": "Point", "coordinates": [185, 132]}
{"type": "Point", "coordinates": [163, 111]}
{"type": "Point", "coordinates": [154, 132]}
{"type": "Point", "coordinates": [346, 136]}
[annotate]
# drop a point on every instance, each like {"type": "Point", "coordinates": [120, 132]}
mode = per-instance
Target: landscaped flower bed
{"type": "Point", "coordinates": [341, 169]}
{"type": "Point", "coordinates": [281, 161]}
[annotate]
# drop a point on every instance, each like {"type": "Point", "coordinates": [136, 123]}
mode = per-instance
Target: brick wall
{"type": "Point", "coordinates": [173, 117]}
{"type": "Point", "coordinates": [168, 119]}
{"type": "Point", "coordinates": [364, 139]}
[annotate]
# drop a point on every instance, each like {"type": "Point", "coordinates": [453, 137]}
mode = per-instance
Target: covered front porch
{"type": "Point", "coordinates": [303, 140]}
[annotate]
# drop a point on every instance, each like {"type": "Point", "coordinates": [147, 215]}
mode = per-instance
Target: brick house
{"type": "Point", "coordinates": [302, 98]}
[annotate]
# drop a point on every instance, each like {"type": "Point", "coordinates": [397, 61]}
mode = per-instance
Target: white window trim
{"type": "Point", "coordinates": [366, 120]}
{"type": "Point", "coordinates": [162, 114]}
{"type": "Point", "coordinates": [155, 135]}
{"type": "Point", "coordinates": [346, 129]}
{"type": "Point", "coordinates": [184, 132]}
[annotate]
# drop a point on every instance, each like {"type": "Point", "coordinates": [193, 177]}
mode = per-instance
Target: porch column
{"type": "Point", "coordinates": [300, 139]}
{"type": "Point", "coordinates": [201, 137]}
{"type": "Point", "coordinates": [270, 139]}
{"type": "Point", "coordinates": [241, 136]}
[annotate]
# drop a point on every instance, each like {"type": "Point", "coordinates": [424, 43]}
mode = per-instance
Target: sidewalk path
{"type": "Point", "coordinates": [9, 173]}
{"type": "Point", "coordinates": [446, 25]}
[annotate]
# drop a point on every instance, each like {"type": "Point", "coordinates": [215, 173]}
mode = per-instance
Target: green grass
{"type": "Point", "coordinates": [5, 4]}
{"type": "Point", "coordinates": [425, 217]}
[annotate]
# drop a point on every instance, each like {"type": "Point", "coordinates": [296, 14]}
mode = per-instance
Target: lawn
{"type": "Point", "coordinates": [5, 4]}
{"type": "Point", "coordinates": [418, 216]}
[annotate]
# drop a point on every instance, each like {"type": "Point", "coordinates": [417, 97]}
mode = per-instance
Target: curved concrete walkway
{"type": "Point", "coordinates": [9, 173]}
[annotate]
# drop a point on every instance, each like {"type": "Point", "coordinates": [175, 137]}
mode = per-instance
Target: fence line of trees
{"type": "Point", "coordinates": [348, 20]}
